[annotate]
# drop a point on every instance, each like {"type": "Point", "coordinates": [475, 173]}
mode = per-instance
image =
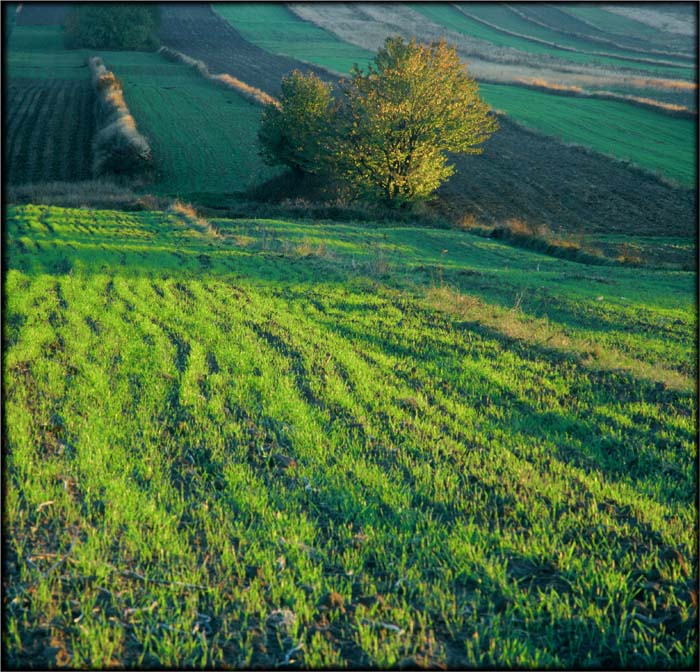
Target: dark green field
{"type": "Point", "coordinates": [254, 442]}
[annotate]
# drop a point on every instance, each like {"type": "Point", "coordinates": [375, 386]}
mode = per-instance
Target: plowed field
{"type": "Point", "coordinates": [197, 31]}
{"type": "Point", "coordinates": [49, 129]}
{"type": "Point", "coordinates": [533, 177]}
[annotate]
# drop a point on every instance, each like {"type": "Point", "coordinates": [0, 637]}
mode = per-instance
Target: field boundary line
{"type": "Point", "coordinates": [118, 145]}
{"type": "Point", "coordinates": [537, 40]}
{"type": "Point", "coordinates": [229, 81]}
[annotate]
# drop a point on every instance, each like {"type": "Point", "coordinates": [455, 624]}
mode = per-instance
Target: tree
{"type": "Point", "coordinates": [293, 133]}
{"type": "Point", "coordinates": [395, 124]}
{"type": "Point", "coordinates": [124, 25]}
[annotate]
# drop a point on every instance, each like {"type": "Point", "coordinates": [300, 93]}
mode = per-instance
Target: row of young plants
{"type": "Point", "coordinates": [236, 446]}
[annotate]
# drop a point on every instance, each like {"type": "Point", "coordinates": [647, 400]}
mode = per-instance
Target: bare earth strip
{"type": "Point", "coordinates": [195, 30]}
{"type": "Point", "coordinates": [526, 175]}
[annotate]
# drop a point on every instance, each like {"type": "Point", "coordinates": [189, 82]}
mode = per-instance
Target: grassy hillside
{"type": "Point", "coordinates": [202, 135]}
{"type": "Point", "coordinates": [652, 140]}
{"type": "Point", "coordinates": [257, 442]}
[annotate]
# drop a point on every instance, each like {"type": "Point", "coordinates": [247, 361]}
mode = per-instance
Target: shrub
{"type": "Point", "coordinates": [127, 25]}
{"type": "Point", "coordinates": [294, 132]}
{"type": "Point", "coordinates": [119, 149]}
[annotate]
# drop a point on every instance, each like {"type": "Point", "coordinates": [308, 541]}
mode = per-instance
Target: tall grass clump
{"type": "Point", "coordinates": [119, 148]}
{"type": "Point", "coordinates": [187, 214]}
{"type": "Point", "coordinates": [250, 92]}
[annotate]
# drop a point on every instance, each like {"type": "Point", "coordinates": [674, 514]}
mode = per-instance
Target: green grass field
{"type": "Point", "coordinates": [274, 28]}
{"type": "Point", "coordinates": [38, 52]}
{"type": "Point", "coordinates": [499, 15]}
{"type": "Point", "coordinates": [652, 140]}
{"type": "Point", "coordinates": [203, 136]}
{"type": "Point", "coordinates": [270, 441]}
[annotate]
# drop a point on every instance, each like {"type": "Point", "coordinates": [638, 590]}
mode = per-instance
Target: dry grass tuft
{"type": "Point", "coordinates": [250, 92]}
{"type": "Point", "coordinates": [539, 237]}
{"type": "Point", "coordinates": [187, 214]}
{"type": "Point", "coordinates": [119, 148]}
{"type": "Point", "coordinates": [539, 83]}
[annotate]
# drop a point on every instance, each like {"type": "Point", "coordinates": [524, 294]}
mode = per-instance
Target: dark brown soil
{"type": "Point", "coordinates": [197, 31]}
{"type": "Point", "coordinates": [528, 176]}
{"type": "Point", "coordinates": [49, 129]}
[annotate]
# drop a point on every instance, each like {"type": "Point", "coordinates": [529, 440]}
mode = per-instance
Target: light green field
{"type": "Point", "coordinates": [274, 28]}
{"type": "Point", "coordinates": [652, 140]}
{"type": "Point", "coordinates": [495, 13]}
{"type": "Point", "coordinates": [341, 445]}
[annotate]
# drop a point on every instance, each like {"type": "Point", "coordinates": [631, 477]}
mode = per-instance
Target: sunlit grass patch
{"type": "Point", "coordinates": [252, 449]}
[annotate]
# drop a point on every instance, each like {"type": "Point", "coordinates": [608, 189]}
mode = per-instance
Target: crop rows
{"type": "Point", "coordinates": [271, 446]}
{"type": "Point", "coordinates": [50, 126]}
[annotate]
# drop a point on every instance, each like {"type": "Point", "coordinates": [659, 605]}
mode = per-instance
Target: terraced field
{"type": "Point", "coordinates": [49, 130]}
{"type": "Point", "coordinates": [500, 25]}
{"type": "Point", "coordinates": [649, 139]}
{"type": "Point", "coordinates": [625, 29]}
{"type": "Point", "coordinates": [567, 22]}
{"type": "Point", "coordinates": [614, 128]}
{"type": "Point", "coordinates": [50, 119]}
{"type": "Point", "coordinates": [276, 443]}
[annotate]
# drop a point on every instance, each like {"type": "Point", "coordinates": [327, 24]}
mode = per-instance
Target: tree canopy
{"type": "Point", "coordinates": [397, 123]}
{"type": "Point", "coordinates": [293, 133]}
{"type": "Point", "coordinates": [389, 131]}
{"type": "Point", "coordinates": [112, 25]}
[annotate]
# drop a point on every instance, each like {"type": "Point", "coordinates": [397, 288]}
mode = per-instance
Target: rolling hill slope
{"type": "Point", "coordinates": [341, 445]}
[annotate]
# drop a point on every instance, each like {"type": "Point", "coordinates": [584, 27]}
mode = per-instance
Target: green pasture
{"type": "Point", "coordinates": [202, 134]}
{"type": "Point", "coordinates": [652, 140]}
{"type": "Point", "coordinates": [268, 443]}
{"type": "Point", "coordinates": [38, 52]}
{"type": "Point", "coordinates": [450, 17]}
{"type": "Point", "coordinates": [277, 30]}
